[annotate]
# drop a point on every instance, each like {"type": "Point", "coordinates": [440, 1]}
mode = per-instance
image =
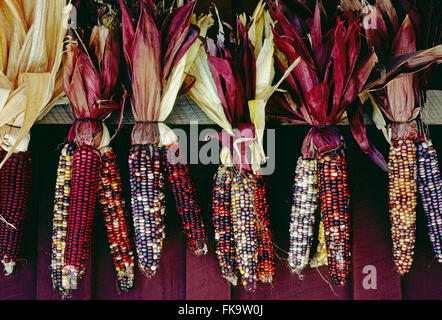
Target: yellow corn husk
{"type": "Point", "coordinates": [31, 48]}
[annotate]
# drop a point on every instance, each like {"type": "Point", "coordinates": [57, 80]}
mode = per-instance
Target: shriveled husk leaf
{"type": "Point", "coordinates": [91, 80]}
{"type": "Point", "coordinates": [34, 33]}
{"type": "Point", "coordinates": [396, 87]}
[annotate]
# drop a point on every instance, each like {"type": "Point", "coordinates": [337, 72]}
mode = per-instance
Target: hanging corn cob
{"type": "Point", "coordinates": [30, 85]}
{"type": "Point", "coordinates": [266, 255]}
{"type": "Point", "coordinates": [156, 79]}
{"type": "Point", "coordinates": [222, 222]}
{"type": "Point", "coordinates": [227, 87]}
{"type": "Point", "coordinates": [430, 189]}
{"type": "Point", "coordinates": [320, 257]}
{"type": "Point", "coordinates": [15, 182]}
{"type": "Point", "coordinates": [90, 79]}
{"type": "Point", "coordinates": [183, 189]}
{"type": "Point", "coordinates": [399, 94]}
{"type": "Point", "coordinates": [319, 90]}
{"type": "Point", "coordinates": [302, 219]}
{"type": "Point", "coordinates": [60, 219]}
{"type": "Point", "coordinates": [115, 215]}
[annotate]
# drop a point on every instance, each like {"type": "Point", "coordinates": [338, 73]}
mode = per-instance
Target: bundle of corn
{"type": "Point", "coordinates": [399, 93]}
{"type": "Point", "coordinates": [90, 79]}
{"type": "Point", "coordinates": [227, 88]}
{"type": "Point", "coordinates": [158, 58]}
{"type": "Point", "coordinates": [318, 92]}
{"type": "Point", "coordinates": [31, 40]}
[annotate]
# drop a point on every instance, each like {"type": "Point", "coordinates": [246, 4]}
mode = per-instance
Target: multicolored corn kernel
{"type": "Point", "coordinates": [302, 219]}
{"type": "Point", "coordinates": [402, 200]}
{"type": "Point", "coordinates": [15, 183]}
{"type": "Point", "coordinates": [320, 258]}
{"type": "Point", "coordinates": [334, 196]}
{"type": "Point", "coordinates": [266, 254]}
{"type": "Point", "coordinates": [60, 215]}
{"type": "Point", "coordinates": [225, 247]}
{"type": "Point", "coordinates": [113, 208]}
{"type": "Point", "coordinates": [82, 201]}
{"type": "Point", "coordinates": [430, 189]}
{"type": "Point", "coordinates": [148, 205]}
{"type": "Point", "coordinates": [244, 227]}
{"type": "Point", "coordinates": [184, 192]}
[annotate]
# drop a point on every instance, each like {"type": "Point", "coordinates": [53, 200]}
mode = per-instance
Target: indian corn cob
{"type": "Point", "coordinates": [148, 205]}
{"type": "Point", "coordinates": [117, 227]}
{"type": "Point", "coordinates": [266, 254]}
{"type": "Point", "coordinates": [302, 220]}
{"type": "Point", "coordinates": [334, 197]}
{"type": "Point", "coordinates": [15, 183]}
{"type": "Point", "coordinates": [183, 189]}
{"type": "Point", "coordinates": [402, 200]}
{"type": "Point", "coordinates": [430, 190]}
{"type": "Point", "coordinates": [82, 201]}
{"type": "Point", "coordinates": [320, 258]}
{"type": "Point", "coordinates": [60, 218]}
{"type": "Point", "coordinates": [225, 247]}
{"type": "Point", "coordinates": [244, 227]}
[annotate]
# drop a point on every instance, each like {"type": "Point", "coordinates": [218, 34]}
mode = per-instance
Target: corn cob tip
{"type": "Point", "coordinates": [250, 286]}
{"type": "Point", "coordinates": [126, 281]}
{"type": "Point", "coordinates": [9, 267]}
{"type": "Point", "coordinates": [199, 251]}
{"type": "Point", "coordinates": [232, 279]}
{"type": "Point", "coordinates": [70, 278]}
{"type": "Point", "coordinates": [267, 279]}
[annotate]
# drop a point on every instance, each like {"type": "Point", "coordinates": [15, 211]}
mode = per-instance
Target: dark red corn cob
{"type": "Point", "coordinates": [82, 201]}
{"type": "Point", "coordinates": [334, 195]}
{"type": "Point", "coordinates": [148, 205]}
{"type": "Point", "coordinates": [224, 239]}
{"type": "Point", "coordinates": [402, 201]}
{"type": "Point", "coordinates": [244, 227]}
{"type": "Point", "coordinates": [115, 220]}
{"type": "Point", "coordinates": [430, 188]}
{"type": "Point", "coordinates": [266, 254]}
{"type": "Point", "coordinates": [183, 189]}
{"type": "Point", "coordinates": [15, 182]}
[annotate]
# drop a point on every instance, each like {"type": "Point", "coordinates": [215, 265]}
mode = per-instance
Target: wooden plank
{"type": "Point", "coordinates": [370, 228]}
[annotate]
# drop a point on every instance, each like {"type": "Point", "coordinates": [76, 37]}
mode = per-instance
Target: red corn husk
{"type": "Point", "coordinates": [90, 79]}
{"type": "Point", "coordinates": [319, 90]}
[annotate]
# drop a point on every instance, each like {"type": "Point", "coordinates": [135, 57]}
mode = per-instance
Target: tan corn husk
{"type": "Point", "coordinates": [30, 73]}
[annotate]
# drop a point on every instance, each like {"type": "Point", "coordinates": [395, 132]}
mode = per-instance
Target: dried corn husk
{"type": "Point", "coordinates": [30, 74]}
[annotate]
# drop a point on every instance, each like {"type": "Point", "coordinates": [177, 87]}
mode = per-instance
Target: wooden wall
{"type": "Point", "coordinates": [185, 276]}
